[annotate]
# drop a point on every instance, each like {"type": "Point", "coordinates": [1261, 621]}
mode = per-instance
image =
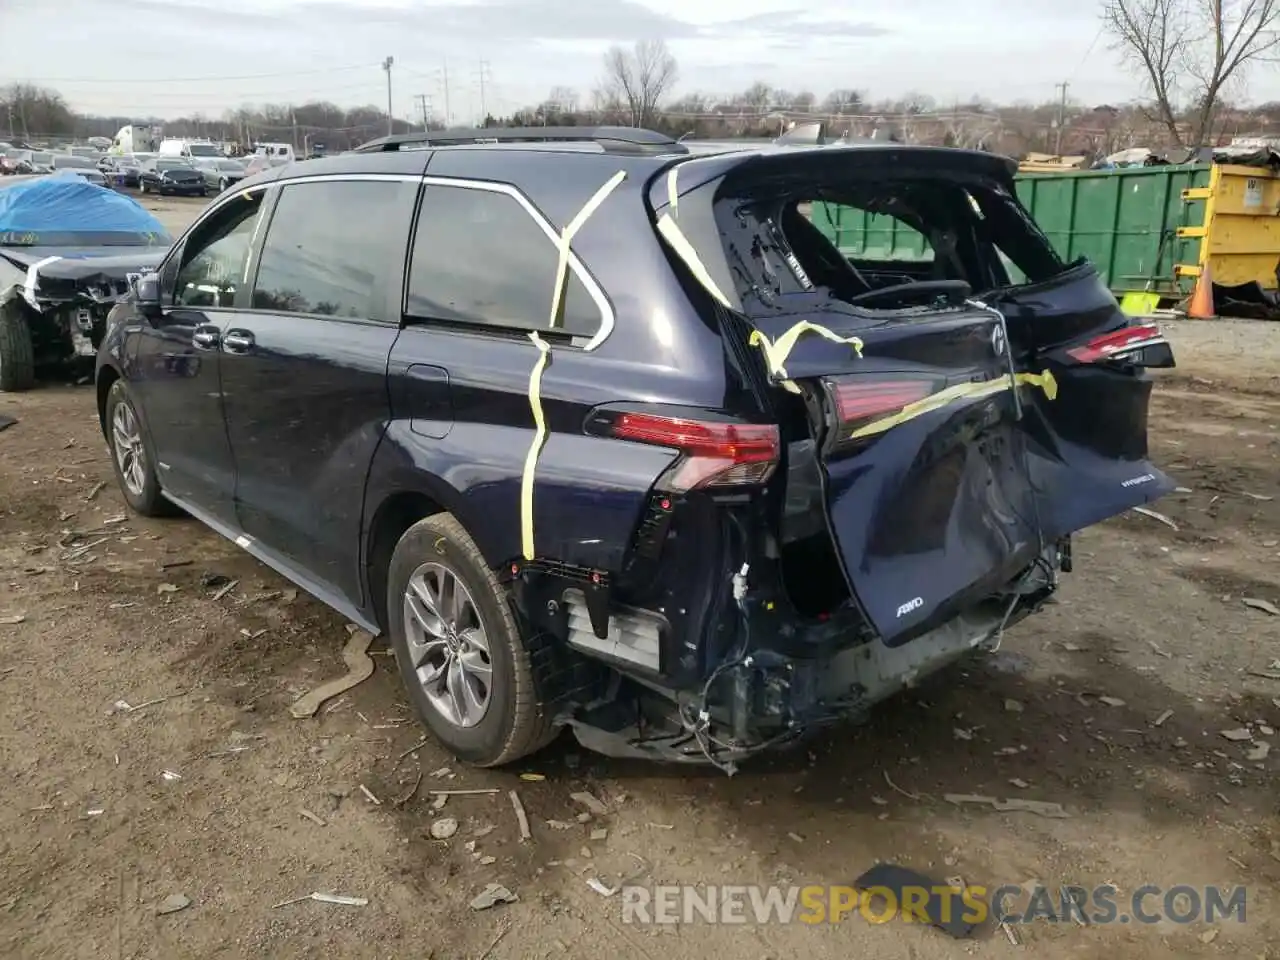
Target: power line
{"type": "Point", "coordinates": [257, 96]}
{"type": "Point", "coordinates": [215, 80]}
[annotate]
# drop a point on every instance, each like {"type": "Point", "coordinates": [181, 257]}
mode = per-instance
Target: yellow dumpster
{"type": "Point", "coordinates": [1240, 235]}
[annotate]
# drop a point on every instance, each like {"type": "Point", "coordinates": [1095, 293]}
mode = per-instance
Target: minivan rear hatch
{"type": "Point", "coordinates": [971, 401]}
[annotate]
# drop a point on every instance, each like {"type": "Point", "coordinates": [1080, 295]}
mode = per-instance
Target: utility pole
{"type": "Point", "coordinates": [424, 107]}
{"type": "Point", "coordinates": [444, 80]}
{"type": "Point", "coordinates": [1062, 116]}
{"type": "Point", "coordinates": [386, 65]}
{"type": "Point", "coordinates": [484, 107]}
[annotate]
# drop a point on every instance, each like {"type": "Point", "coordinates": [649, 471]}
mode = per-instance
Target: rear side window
{"type": "Point", "coordinates": [480, 257]}
{"type": "Point", "coordinates": [332, 247]}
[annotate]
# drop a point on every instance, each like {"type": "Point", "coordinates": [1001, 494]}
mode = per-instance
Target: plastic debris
{"type": "Point", "coordinates": [1012, 706]}
{"type": "Point", "coordinates": [1264, 605]}
{"type": "Point", "coordinates": [444, 828]}
{"type": "Point", "coordinates": [336, 898]}
{"type": "Point", "coordinates": [1111, 701]}
{"type": "Point", "coordinates": [166, 588]}
{"type": "Point", "coordinates": [13, 619]}
{"type": "Point", "coordinates": [1159, 721]}
{"type": "Point", "coordinates": [359, 669]}
{"type": "Point", "coordinates": [491, 896]}
{"type": "Point", "coordinates": [590, 802]}
{"type": "Point", "coordinates": [307, 814]}
{"type": "Point", "coordinates": [1038, 807]}
{"type": "Point", "coordinates": [1238, 735]}
{"type": "Point", "coordinates": [170, 775]}
{"type": "Point", "coordinates": [522, 819]}
{"type": "Point", "coordinates": [1259, 752]}
{"type": "Point", "coordinates": [1146, 512]}
{"type": "Point", "coordinates": [533, 777]}
{"type": "Point", "coordinates": [172, 904]}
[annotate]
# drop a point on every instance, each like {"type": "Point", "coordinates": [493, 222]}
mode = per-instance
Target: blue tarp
{"type": "Point", "coordinates": [60, 211]}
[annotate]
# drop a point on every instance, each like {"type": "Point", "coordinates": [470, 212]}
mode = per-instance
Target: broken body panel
{"type": "Point", "coordinates": [67, 292]}
{"type": "Point", "coordinates": [68, 250]}
{"type": "Point", "coordinates": [951, 441]}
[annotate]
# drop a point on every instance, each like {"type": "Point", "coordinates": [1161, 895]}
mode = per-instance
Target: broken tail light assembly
{"type": "Point", "coordinates": [715, 455]}
{"type": "Point", "coordinates": [867, 405]}
{"type": "Point", "coordinates": [1139, 345]}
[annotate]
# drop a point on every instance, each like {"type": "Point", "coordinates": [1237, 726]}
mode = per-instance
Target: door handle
{"type": "Point", "coordinates": [206, 337]}
{"type": "Point", "coordinates": [237, 341]}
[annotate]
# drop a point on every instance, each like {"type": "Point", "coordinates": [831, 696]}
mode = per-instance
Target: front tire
{"type": "Point", "coordinates": [131, 455]}
{"type": "Point", "coordinates": [17, 355]}
{"type": "Point", "coordinates": [142, 186]}
{"type": "Point", "coordinates": [459, 649]}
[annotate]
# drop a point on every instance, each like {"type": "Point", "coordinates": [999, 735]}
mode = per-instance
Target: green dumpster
{"type": "Point", "coordinates": [1125, 221]}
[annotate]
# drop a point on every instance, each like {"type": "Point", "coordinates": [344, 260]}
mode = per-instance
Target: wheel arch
{"type": "Point", "coordinates": [107, 376]}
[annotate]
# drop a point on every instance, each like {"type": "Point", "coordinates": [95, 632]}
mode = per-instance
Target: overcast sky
{"type": "Point", "coordinates": [159, 57]}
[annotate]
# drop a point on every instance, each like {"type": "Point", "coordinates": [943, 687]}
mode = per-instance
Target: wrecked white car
{"type": "Point", "coordinates": [68, 251]}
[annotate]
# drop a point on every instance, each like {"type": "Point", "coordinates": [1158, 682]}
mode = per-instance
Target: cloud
{"type": "Point", "coordinates": [799, 25]}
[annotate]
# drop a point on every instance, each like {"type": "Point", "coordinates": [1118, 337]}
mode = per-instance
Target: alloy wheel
{"type": "Point", "coordinates": [126, 438]}
{"type": "Point", "coordinates": [448, 645]}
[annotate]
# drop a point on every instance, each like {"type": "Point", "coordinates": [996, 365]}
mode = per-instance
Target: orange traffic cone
{"type": "Point", "coordinates": [1201, 304]}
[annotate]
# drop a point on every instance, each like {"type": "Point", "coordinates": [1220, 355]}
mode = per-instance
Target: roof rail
{"type": "Point", "coordinates": [632, 140]}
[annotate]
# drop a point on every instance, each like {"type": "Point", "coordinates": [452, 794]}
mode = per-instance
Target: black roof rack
{"type": "Point", "coordinates": [631, 140]}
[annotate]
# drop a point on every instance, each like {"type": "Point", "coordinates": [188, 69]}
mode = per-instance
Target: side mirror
{"type": "Point", "coordinates": [147, 292]}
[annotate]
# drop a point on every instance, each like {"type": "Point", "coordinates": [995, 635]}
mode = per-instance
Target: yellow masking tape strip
{"type": "Point", "coordinates": [539, 438]}
{"type": "Point", "coordinates": [684, 249]}
{"type": "Point", "coordinates": [964, 391]}
{"type": "Point", "coordinates": [776, 353]}
{"type": "Point", "coordinates": [673, 194]}
{"type": "Point", "coordinates": [566, 237]}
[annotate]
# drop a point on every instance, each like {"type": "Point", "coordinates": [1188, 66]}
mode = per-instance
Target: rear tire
{"type": "Point", "coordinates": [17, 356]}
{"type": "Point", "coordinates": [478, 637]}
{"type": "Point", "coordinates": [135, 469]}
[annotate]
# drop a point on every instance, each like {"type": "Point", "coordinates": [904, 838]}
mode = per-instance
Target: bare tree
{"type": "Point", "coordinates": [1189, 51]}
{"type": "Point", "coordinates": [640, 78]}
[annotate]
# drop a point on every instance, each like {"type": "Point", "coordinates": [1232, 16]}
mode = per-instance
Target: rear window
{"type": "Point", "coordinates": [481, 258]}
{"type": "Point", "coordinates": [844, 234]}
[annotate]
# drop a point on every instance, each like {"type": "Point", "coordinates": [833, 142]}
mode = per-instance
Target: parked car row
{"type": "Point", "coordinates": [147, 172]}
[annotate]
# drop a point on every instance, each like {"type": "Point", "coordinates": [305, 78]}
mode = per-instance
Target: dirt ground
{"type": "Point", "coordinates": [95, 832]}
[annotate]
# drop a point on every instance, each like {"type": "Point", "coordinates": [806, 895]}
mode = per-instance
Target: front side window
{"type": "Point", "coordinates": [332, 246]}
{"type": "Point", "coordinates": [480, 257]}
{"type": "Point", "coordinates": [214, 257]}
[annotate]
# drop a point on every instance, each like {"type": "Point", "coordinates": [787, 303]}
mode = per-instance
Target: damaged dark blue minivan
{"type": "Point", "coordinates": [602, 432]}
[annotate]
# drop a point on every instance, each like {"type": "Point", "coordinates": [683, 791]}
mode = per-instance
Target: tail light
{"type": "Point", "coordinates": [862, 400]}
{"type": "Point", "coordinates": [715, 453]}
{"type": "Point", "coordinates": [1143, 344]}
